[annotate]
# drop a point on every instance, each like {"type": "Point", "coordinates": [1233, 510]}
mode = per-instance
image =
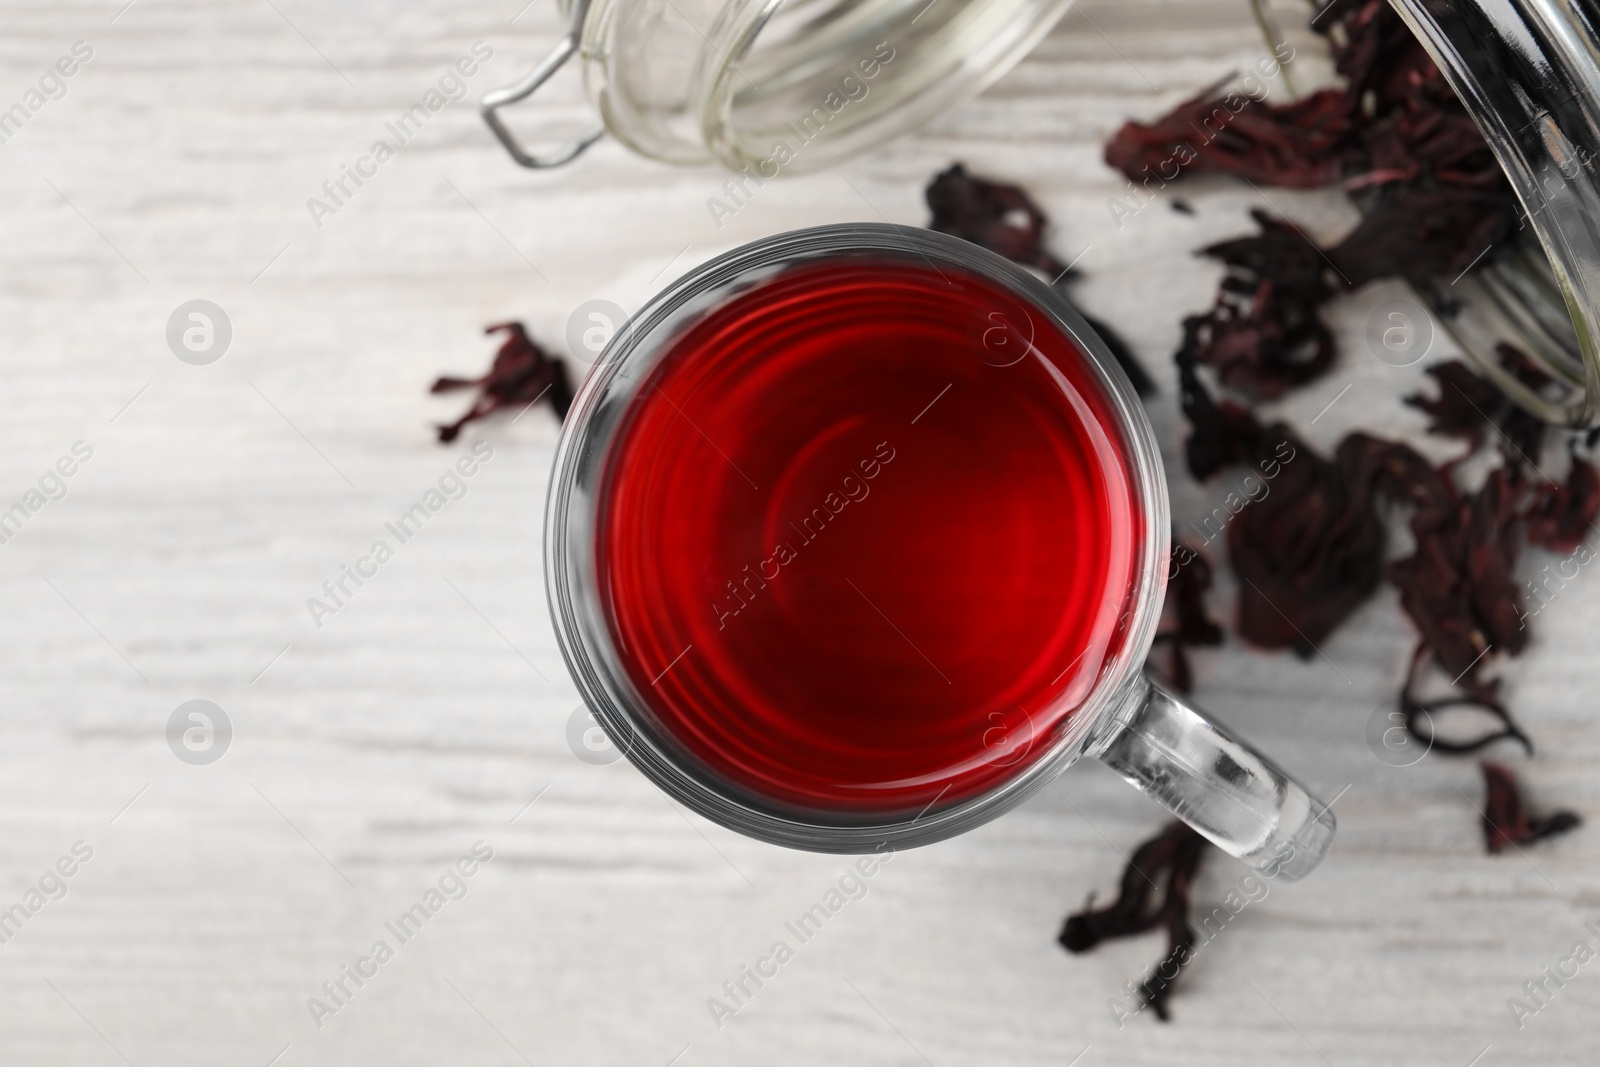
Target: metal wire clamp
{"type": "Point", "coordinates": [496, 99]}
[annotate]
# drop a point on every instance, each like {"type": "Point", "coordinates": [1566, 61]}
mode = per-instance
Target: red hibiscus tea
{"type": "Point", "coordinates": [867, 538]}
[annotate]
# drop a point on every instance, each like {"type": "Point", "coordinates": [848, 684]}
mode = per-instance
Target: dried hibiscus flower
{"type": "Point", "coordinates": [1433, 197]}
{"type": "Point", "coordinates": [1457, 587]}
{"type": "Point", "coordinates": [1522, 432]}
{"type": "Point", "coordinates": [1264, 335]}
{"type": "Point", "coordinates": [1004, 219]}
{"type": "Point", "coordinates": [522, 374]}
{"type": "Point", "coordinates": [1307, 554]}
{"type": "Point", "coordinates": [1294, 146]}
{"type": "Point", "coordinates": [1462, 406]}
{"type": "Point", "coordinates": [1189, 577]}
{"type": "Point", "coordinates": [993, 215]}
{"type": "Point", "coordinates": [1468, 404]}
{"type": "Point", "coordinates": [1424, 234]}
{"type": "Point", "coordinates": [1222, 433]}
{"type": "Point", "coordinates": [1312, 551]}
{"type": "Point", "coordinates": [1474, 692]}
{"type": "Point", "coordinates": [1173, 856]}
{"type": "Point", "coordinates": [1396, 126]}
{"type": "Point", "coordinates": [1561, 515]}
{"type": "Point", "coordinates": [1505, 817]}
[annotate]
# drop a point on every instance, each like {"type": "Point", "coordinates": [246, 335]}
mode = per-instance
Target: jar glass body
{"type": "Point", "coordinates": [781, 86]}
{"type": "Point", "coordinates": [1528, 71]}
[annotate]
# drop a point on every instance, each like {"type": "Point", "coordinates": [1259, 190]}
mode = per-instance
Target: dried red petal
{"type": "Point", "coordinates": [1222, 433]}
{"type": "Point", "coordinates": [1429, 134]}
{"type": "Point", "coordinates": [1464, 402]}
{"type": "Point", "coordinates": [522, 373]}
{"type": "Point", "coordinates": [1294, 146]}
{"type": "Point", "coordinates": [1377, 53]}
{"type": "Point", "coordinates": [1281, 254]}
{"type": "Point", "coordinates": [1468, 403]}
{"type": "Point", "coordinates": [1561, 517]}
{"type": "Point", "coordinates": [1175, 852]}
{"type": "Point", "coordinates": [1433, 196]}
{"type": "Point", "coordinates": [1523, 433]}
{"type": "Point", "coordinates": [1474, 692]}
{"type": "Point", "coordinates": [1264, 335]}
{"type": "Point", "coordinates": [993, 215]}
{"type": "Point", "coordinates": [1395, 122]}
{"type": "Point", "coordinates": [1493, 542]}
{"type": "Point", "coordinates": [1423, 234]}
{"type": "Point", "coordinates": [1520, 364]}
{"type": "Point", "coordinates": [1190, 579]}
{"type": "Point", "coordinates": [1307, 555]}
{"type": "Point", "coordinates": [1457, 586]}
{"type": "Point", "coordinates": [1506, 820]}
{"type": "Point", "coordinates": [1311, 551]}
{"type": "Point", "coordinates": [1004, 219]}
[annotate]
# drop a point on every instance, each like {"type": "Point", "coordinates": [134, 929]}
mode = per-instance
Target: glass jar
{"type": "Point", "coordinates": [775, 86]}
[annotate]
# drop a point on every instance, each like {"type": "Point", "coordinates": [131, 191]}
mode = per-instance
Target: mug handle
{"type": "Point", "coordinates": [1229, 792]}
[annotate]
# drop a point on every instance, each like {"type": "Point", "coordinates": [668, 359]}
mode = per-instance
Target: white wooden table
{"type": "Point", "coordinates": [432, 709]}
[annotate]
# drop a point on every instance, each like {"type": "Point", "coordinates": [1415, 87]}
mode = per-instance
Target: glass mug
{"type": "Point", "coordinates": [964, 611]}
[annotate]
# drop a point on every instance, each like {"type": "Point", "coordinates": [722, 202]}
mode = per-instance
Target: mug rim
{"type": "Point", "coordinates": [574, 501]}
